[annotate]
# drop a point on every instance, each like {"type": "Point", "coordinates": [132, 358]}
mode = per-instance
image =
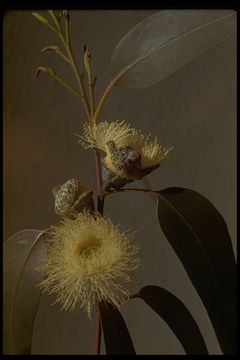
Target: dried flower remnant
{"type": "Point", "coordinates": [129, 154]}
{"type": "Point", "coordinates": [88, 261]}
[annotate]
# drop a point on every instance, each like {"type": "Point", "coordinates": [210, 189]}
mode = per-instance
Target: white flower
{"type": "Point", "coordinates": [88, 260]}
{"type": "Point", "coordinates": [129, 154]}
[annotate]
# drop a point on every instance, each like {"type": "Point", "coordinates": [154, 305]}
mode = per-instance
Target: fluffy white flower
{"type": "Point", "coordinates": [88, 260]}
{"type": "Point", "coordinates": [129, 153]}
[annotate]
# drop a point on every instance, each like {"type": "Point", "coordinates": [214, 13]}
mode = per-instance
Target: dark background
{"type": "Point", "coordinates": [194, 110]}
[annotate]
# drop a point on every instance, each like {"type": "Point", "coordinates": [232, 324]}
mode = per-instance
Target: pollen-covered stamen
{"type": "Point", "coordinates": [129, 154]}
{"type": "Point", "coordinates": [153, 154]}
{"type": "Point", "coordinates": [88, 260]}
{"type": "Point", "coordinates": [118, 131]}
{"type": "Point", "coordinates": [89, 247]}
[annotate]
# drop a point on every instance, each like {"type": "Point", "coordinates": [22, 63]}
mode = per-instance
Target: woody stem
{"type": "Point", "coordinates": [98, 334]}
{"type": "Point", "coordinates": [101, 197]}
{"type": "Point", "coordinates": [100, 207]}
{"type": "Point", "coordinates": [100, 192]}
{"type": "Point", "coordinates": [66, 40]}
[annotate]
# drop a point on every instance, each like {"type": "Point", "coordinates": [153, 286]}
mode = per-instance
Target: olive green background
{"type": "Point", "coordinates": [194, 110]}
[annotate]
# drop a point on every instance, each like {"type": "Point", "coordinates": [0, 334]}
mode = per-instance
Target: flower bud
{"type": "Point", "coordinates": [72, 198]}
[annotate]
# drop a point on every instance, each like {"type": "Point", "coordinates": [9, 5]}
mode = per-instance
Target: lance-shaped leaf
{"type": "Point", "coordinates": [44, 21]}
{"type": "Point", "coordinates": [200, 238]}
{"type": "Point", "coordinates": [21, 255]}
{"type": "Point", "coordinates": [167, 41]}
{"type": "Point", "coordinates": [177, 316]}
{"type": "Point", "coordinates": [41, 18]}
{"type": "Point", "coordinates": [116, 336]}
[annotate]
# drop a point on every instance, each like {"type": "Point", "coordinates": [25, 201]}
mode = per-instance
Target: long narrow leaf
{"type": "Point", "coordinates": [21, 254]}
{"type": "Point", "coordinates": [177, 316]}
{"type": "Point", "coordinates": [200, 238]}
{"type": "Point", "coordinates": [167, 41]}
{"type": "Point", "coordinates": [116, 336]}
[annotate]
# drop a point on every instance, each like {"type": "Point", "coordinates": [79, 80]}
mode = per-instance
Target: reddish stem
{"type": "Point", "coordinates": [101, 198]}
{"type": "Point", "coordinates": [100, 191]}
{"type": "Point", "coordinates": [98, 334]}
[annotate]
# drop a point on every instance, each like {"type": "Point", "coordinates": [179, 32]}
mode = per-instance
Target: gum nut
{"type": "Point", "coordinates": [111, 180]}
{"type": "Point", "coordinates": [126, 159]}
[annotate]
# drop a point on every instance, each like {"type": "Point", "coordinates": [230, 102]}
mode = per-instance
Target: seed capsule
{"type": "Point", "coordinates": [111, 180]}
{"type": "Point", "coordinates": [126, 160]}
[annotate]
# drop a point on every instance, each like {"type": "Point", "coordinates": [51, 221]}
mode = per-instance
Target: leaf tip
{"type": "Point", "coordinates": [39, 17]}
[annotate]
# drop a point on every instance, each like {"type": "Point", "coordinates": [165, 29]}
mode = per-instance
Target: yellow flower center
{"type": "Point", "coordinates": [89, 247]}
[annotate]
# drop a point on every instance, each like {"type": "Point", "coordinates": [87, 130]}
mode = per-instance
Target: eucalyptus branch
{"type": "Point", "coordinates": [90, 111]}
{"type": "Point", "coordinates": [90, 240]}
{"type": "Point", "coordinates": [65, 38]}
{"type": "Point", "coordinates": [67, 44]}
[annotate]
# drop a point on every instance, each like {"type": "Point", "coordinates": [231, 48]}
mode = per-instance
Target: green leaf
{"type": "Point", "coordinates": [50, 48]}
{"type": "Point", "coordinates": [55, 49]}
{"type": "Point", "coordinates": [41, 18]}
{"type": "Point", "coordinates": [54, 76]}
{"type": "Point", "coordinates": [54, 18]}
{"type": "Point", "coordinates": [21, 255]}
{"type": "Point", "coordinates": [116, 336]}
{"type": "Point", "coordinates": [177, 316]}
{"type": "Point", "coordinates": [167, 41]}
{"type": "Point", "coordinates": [47, 70]}
{"type": "Point", "coordinates": [44, 21]}
{"type": "Point", "coordinates": [199, 236]}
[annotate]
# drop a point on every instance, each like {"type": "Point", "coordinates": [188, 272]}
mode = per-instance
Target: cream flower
{"type": "Point", "coordinates": [87, 261]}
{"type": "Point", "coordinates": [118, 131]}
{"type": "Point", "coordinates": [129, 154]}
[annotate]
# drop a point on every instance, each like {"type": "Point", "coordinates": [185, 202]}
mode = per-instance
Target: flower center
{"type": "Point", "coordinates": [89, 247]}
